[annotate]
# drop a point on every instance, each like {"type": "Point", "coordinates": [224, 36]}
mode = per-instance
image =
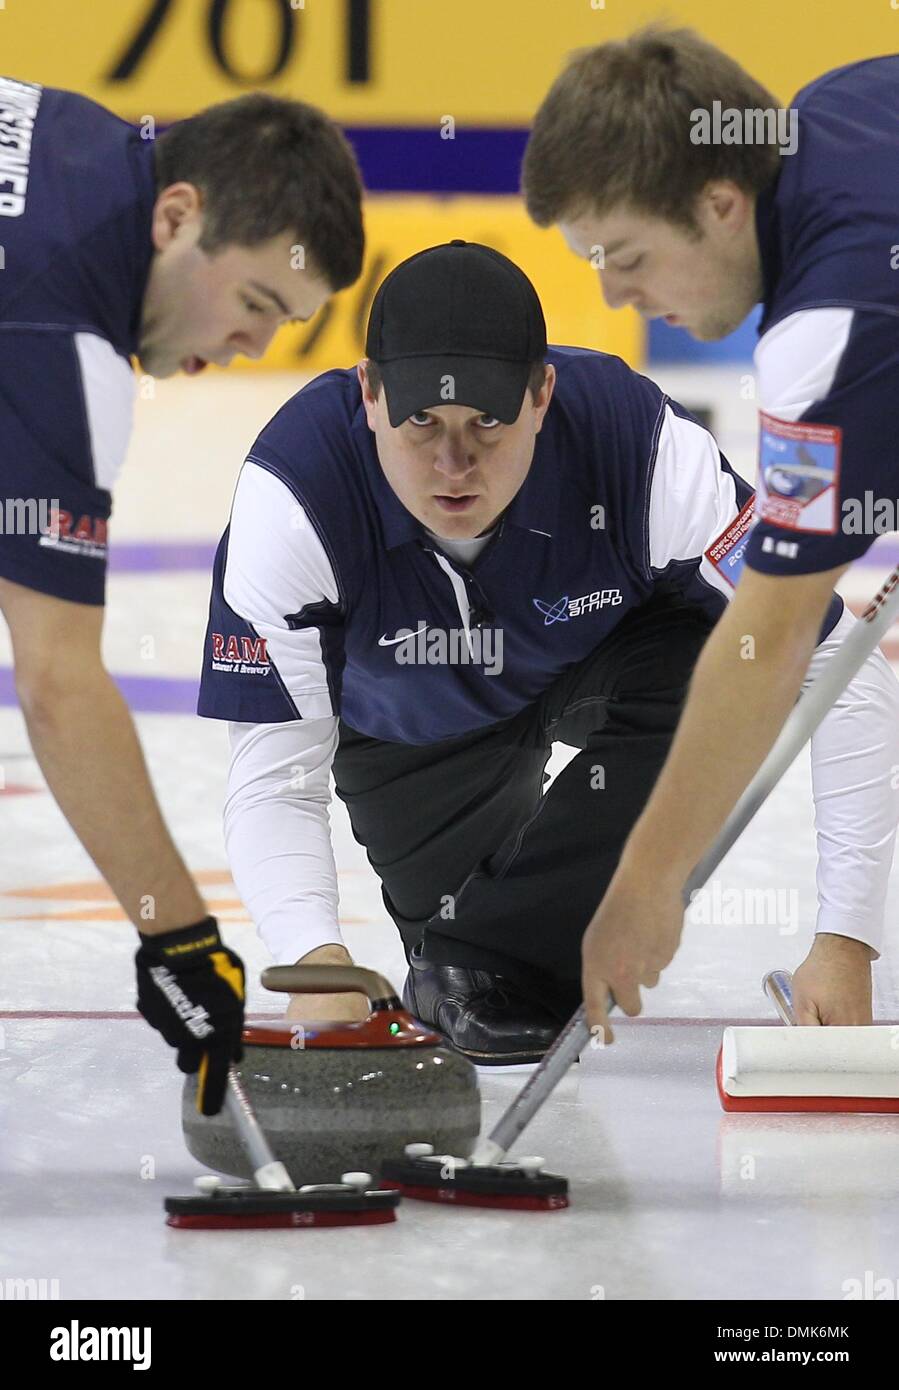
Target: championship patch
{"type": "Point", "coordinates": [799, 474]}
{"type": "Point", "coordinates": [726, 553]}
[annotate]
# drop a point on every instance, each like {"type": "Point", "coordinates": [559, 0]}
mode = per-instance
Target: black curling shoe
{"type": "Point", "coordinates": [479, 1013]}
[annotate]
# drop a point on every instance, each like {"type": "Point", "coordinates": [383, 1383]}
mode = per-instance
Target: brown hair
{"type": "Point", "coordinates": [266, 165]}
{"type": "Point", "coordinates": [535, 380]}
{"type": "Point", "coordinates": [614, 130]}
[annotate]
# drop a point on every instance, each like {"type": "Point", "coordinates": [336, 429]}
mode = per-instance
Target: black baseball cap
{"type": "Point", "coordinates": [458, 324]}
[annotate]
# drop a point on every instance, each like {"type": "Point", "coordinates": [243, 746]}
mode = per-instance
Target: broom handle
{"type": "Point", "coordinates": [268, 1171]}
{"type": "Point", "coordinates": [778, 985]}
{"type": "Point", "coordinates": [803, 719]}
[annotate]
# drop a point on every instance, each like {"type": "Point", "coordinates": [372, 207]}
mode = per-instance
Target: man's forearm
{"type": "Point", "coordinates": [278, 835]}
{"type": "Point", "coordinates": [744, 686]}
{"type": "Point", "coordinates": [89, 752]}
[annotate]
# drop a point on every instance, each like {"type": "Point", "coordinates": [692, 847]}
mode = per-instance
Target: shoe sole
{"type": "Point", "coordinates": [505, 1069]}
{"type": "Point", "coordinates": [484, 1061]}
{"type": "Point", "coordinates": [492, 1061]}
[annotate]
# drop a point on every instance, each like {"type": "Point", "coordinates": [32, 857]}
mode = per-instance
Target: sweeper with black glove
{"type": "Point", "coordinates": [134, 282]}
{"type": "Point", "coordinates": [191, 987]}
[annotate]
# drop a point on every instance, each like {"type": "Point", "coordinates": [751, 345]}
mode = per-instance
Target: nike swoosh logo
{"type": "Point", "coordinates": [393, 641]}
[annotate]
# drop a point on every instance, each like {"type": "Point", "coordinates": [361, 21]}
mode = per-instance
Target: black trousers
{"type": "Point", "coordinates": [474, 861]}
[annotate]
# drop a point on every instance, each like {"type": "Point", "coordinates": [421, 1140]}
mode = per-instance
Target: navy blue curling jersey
{"type": "Point", "coordinates": [828, 355]}
{"type": "Point", "coordinates": [329, 597]}
{"type": "Point", "coordinates": [77, 189]}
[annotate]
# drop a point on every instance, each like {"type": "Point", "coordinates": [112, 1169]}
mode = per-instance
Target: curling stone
{"type": "Point", "coordinates": [339, 1097]}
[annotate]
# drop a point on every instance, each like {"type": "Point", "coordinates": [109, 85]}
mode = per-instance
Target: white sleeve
{"type": "Point", "coordinates": [692, 499]}
{"type": "Point", "coordinates": [108, 386]}
{"type": "Point", "coordinates": [855, 750]}
{"type": "Point", "coordinates": [855, 753]}
{"type": "Point", "coordinates": [277, 833]}
{"type": "Point", "coordinates": [797, 360]}
{"type": "Point", "coordinates": [276, 823]}
{"type": "Point", "coordinates": [276, 567]}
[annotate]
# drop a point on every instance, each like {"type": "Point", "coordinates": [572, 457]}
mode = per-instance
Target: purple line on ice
{"type": "Point", "coordinates": [144, 694]}
{"type": "Point", "coordinates": [154, 557]}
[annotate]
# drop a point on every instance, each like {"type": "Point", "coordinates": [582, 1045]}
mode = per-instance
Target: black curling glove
{"type": "Point", "coordinates": [190, 987]}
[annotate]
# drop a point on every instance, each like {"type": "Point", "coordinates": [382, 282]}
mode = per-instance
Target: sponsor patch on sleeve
{"type": "Point", "coordinates": [726, 553]}
{"type": "Point", "coordinates": [239, 656]}
{"type": "Point", "coordinates": [799, 474]}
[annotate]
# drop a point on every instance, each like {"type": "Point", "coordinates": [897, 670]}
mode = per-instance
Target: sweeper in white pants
{"type": "Point", "coordinates": [698, 233]}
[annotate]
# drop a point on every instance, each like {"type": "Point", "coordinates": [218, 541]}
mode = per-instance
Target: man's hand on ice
{"type": "Point", "coordinates": [833, 983]}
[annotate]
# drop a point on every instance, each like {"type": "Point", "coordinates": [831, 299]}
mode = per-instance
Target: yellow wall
{"type": "Point", "coordinates": [480, 61]}
{"type": "Point", "coordinates": [486, 61]}
{"type": "Point", "coordinates": [396, 227]}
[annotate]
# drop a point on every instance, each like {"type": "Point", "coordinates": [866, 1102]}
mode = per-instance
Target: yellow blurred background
{"type": "Point", "coordinates": [402, 75]}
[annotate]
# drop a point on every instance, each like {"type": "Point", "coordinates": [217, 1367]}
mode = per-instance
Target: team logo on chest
{"type": "Point", "coordinates": [566, 608]}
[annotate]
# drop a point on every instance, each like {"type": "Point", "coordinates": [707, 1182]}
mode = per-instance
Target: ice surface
{"type": "Point", "coordinates": [670, 1197]}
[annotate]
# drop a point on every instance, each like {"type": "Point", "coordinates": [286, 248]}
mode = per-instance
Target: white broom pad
{"type": "Point", "coordinates": [805, 1061]}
